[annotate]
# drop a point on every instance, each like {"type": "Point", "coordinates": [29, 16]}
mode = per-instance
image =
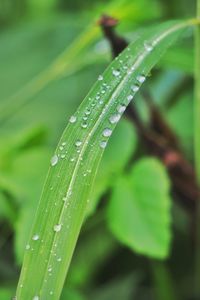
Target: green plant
{"type": "Point", "coordinates": [197, 146]}
{"type": "Point", "coordinates": [69, 61]}
{"type": "Point", "coordinates": [64, 202]}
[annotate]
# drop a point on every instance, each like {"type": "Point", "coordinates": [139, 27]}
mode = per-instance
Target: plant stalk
{"type": "Point", "coordinates": [163, 282]}
{"type": "Point", "coordinates": [197, 148]}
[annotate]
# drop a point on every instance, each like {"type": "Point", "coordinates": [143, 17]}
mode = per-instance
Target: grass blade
{"type": "Point", "coordinates": [65, 196]}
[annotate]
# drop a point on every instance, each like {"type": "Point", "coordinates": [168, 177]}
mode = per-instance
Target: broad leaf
{"type": "Point", "coordinates": [139, 210]}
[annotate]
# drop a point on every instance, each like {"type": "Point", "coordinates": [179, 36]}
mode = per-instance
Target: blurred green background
{"type": "Point", "coordinates": [42, 83]}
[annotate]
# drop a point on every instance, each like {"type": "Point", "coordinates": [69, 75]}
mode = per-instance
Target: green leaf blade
{"type": "Point", "coordinates": [139, 212]}
{"type": "Point", "coordinates": [66, 192]}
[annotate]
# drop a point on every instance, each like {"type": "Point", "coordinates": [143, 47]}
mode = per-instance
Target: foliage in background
{"type": "Point", "coordinates": [31, 39]}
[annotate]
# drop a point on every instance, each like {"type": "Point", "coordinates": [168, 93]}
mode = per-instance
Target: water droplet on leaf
{"type": "Point", "coordinates": [35, 237]}
{"type": "Point", "coordinates": [100, 77]}
{"type": "Point", "coordinates": [114, 118]}
{"type": "Point", "coordinates": [148, 46]}
{"type": "Point", "coordinates": [121, 108]}
{"type": "Point", "coordinates": [134, 88]}
{"type": "Point", "coordinates": [88, 112]}
{"type": "Point", "coordinates": [141, 78]}
{"type": "Point", "coordinates": [116, 73]}
{"type": "Point", "coordinates": [78, 143]}
{"type": "Point", "coordinates": [107, 132]}
{"type": "Point", "coordinates": [103, 144]}
{"type": "Point", "coordinates": [84, 125]}
{"type": "Point", "coordinates": [72, 119]}
{"type": "Point", "coordinates": [57, 227]}
{"type": "Point", "coordinates": [129, 97]}
{"type": "Point", "coordinates": [54, 160]}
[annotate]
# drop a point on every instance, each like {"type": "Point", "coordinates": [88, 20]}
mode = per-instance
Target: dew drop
{"type": "Point", "coordinates": [85, 118]}
{"type": "Point", "coordinates": [59, 259]}
{"type": "Point", "coordinates": [100, 78]}
{"type": "Point", "coordinates": [72, 119]}
{"type": "Point", "coordinates": [148, 46]}
{"type": "Point", "coordinates": [141, 78]}
{"type": "Point", "coordinates": [103, 144]}
{"type": "Point", "coordinates": [54, 160]}
{"type": "Point", "coordinates": [121, 108]}
{"type": "Point", "coordinates": [35, 237]}
{"type": "Point", "coordinates": [27, 247]}
{"type": "Point", "coordinates": [62, 156]}
{"type": "Point", "coordinates": [78, 143]}
{"type": "Point", "coordinates": [114, 118]}
{"type": "Point", "coordinates": [107, 132]}
{"type": "Point", "coordinates": [116, 73]}
{"type": "Point", "coordinates": [134, 88]}
{"type": "Point", "coordinates": [36, 298]}
{"type": "Point", "coordinates": [57, 227]}
{"type": "Point", "coordinates": [84, 125]}
{"type": "Point", "coordinates": [129, 97]}
{"type": "Point", "coordinates": [88, 112]}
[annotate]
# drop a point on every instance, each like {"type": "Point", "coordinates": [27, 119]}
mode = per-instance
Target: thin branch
{"type": "Point", "coordinates": [159, 139]}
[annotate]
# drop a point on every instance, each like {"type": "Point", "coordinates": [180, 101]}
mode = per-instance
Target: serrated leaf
{"type": "Point", "coordinates": [63, 204]}
{"type": "Point", "coordinates": [139, 209]}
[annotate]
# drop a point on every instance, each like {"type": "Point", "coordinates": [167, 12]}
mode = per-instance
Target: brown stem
{"type": "Point", "coordinates": [159, 139]}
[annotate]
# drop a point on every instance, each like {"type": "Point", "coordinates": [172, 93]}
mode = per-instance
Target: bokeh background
{"type": "Point", "coordinates": [51, 52]}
